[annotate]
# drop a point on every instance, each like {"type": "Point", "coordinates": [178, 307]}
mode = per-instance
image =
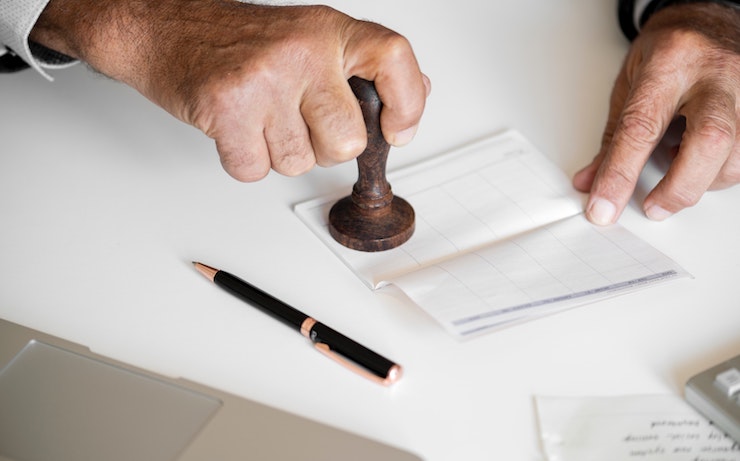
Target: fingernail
{"type": "Point", "coordinates": [601, 212]}
{"type": "Point", "coordinates": [657, 213]}
{"type": "Point", "coordinates": [404, 137]}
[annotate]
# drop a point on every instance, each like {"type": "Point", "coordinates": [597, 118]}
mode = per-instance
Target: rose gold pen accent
{"type": "Point", "coordinates": [208, 271]}
{"type": "Point", "coordinates": [306, 327]}
{"type": "Point", "coordinates": [394, 374]}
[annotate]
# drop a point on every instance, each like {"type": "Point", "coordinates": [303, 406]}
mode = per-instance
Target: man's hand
{"type": "Point", "coordinates": [685, 63]}
{"type": "Point", "coordinates": [268, 84]}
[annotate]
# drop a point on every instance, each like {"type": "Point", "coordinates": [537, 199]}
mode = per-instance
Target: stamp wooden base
{"type": "Point", "coordinates": [372, 218]}
{"type": "Point", "coordinates": [374, 230]}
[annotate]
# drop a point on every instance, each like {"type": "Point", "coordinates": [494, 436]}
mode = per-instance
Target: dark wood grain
{"type": "Point", "coordinates": [371, 218]}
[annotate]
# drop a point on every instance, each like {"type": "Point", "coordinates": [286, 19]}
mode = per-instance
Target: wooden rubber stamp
{"type": "Point", "coordinates": [371, 218]}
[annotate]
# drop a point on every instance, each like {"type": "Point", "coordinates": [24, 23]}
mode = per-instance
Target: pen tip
{"type": "Point", "coordinates": [207, 271]}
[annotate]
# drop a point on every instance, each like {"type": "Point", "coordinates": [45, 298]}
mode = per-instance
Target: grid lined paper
{"type": "Point", "coordinates": [500, 238]}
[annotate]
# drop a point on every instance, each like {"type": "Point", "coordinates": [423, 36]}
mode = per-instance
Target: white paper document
{"type": "Point", "coordinates": [500, 238]}
{"type": "Point", "coordinates": [629, 428]}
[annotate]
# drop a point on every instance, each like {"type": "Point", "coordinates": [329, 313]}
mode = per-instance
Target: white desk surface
{"type": "Point", "coordinates": [105, 199]}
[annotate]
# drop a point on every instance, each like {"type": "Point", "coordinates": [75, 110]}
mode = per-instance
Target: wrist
{"type": "Point", "coordinates": [716, 22]}
{"type": "Point", "coordinates": [633, 14]}
{"type": "Point", "coordinates": [56, 29]}
{"type": "Point", "coordinates": [98, 32]}
{"type": "Point", "coordinates": [657, 5]}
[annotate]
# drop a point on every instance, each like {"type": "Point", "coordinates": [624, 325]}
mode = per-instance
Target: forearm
{"type": "Point", "coordinates": [142, 43]}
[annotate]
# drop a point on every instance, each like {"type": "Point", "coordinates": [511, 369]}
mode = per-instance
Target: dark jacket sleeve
{"type": "Point", "coordinates": [10, 62]}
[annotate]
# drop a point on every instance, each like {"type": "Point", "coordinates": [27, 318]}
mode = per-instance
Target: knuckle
{"type": "Point", "coordinates": [244, 167]}
{"type": "Point", "coordinates": [639, 128]}
{"type": "Point", "coordinates": [293, 164]}
{"type": "Point", "coordinates": [348, 148]}
{"type": "Point", "coordinates": [396, 47]}
{"type": "Point", "coordinates": [678, 45]}
{"type": "Point", "coordinates": [325, 11]}
{"type": "Point", "coordinates": [607, 137]}
{"type": "Point", "coordinates": [683, 196]}
{"type": "Point", "coordinates": [339, 133]}
{"type": "Point", "coordinates": [716, 130]}
{"type": "Point", "coordinates": [620, 174]}
{"type": "Point", "coordinates": [680, 41]}
{"type": "Point", "coordinates": [408, 114]}
{"type": "Point", "coordinates": [221, 99]}
{"type": "Point", "coordinates": [292, 161]}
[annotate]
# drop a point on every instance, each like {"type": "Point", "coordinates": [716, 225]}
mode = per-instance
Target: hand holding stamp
{"type": "Point", "coordinates": [371, 218]}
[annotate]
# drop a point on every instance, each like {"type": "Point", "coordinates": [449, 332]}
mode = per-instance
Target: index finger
{"type": "Point", "coordinates": [385, 57]}
{"type": "Point", "coordinates": [647, 112]}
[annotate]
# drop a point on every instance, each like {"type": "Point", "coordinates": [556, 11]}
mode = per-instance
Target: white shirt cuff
{"type": "Point", "coordinates": [17, 18]}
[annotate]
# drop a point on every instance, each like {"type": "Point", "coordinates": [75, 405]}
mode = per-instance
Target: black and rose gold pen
{"type": "Point", "coordinates": [329, 342]}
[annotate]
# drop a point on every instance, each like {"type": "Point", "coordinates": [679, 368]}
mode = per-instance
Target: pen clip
{"type": "Point", "coordinates": [393, 374]}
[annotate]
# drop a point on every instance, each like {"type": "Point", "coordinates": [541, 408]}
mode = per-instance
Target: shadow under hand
{"type": "Point", "coordinates": [660, 161]}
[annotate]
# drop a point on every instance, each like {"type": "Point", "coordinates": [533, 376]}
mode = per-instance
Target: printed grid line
{"type": "Point", "coordinates": [567, 297]}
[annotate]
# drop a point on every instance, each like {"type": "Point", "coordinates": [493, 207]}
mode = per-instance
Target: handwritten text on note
{"type": "Point", "coordinates": [629, 428]}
